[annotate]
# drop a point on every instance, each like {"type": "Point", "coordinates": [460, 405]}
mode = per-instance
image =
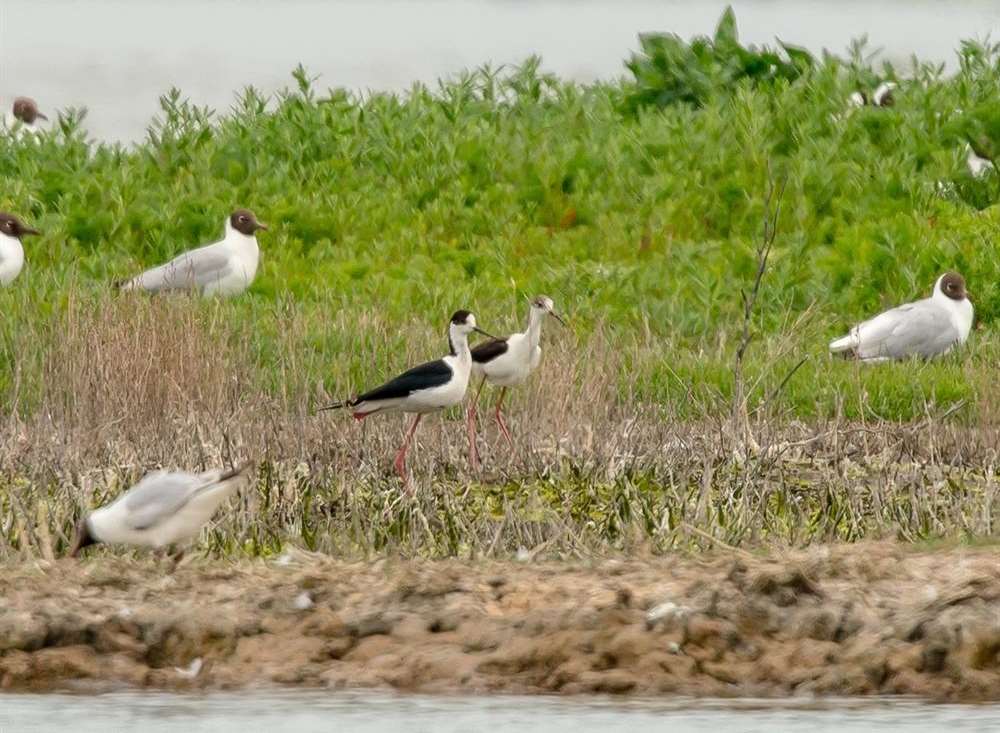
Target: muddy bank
{"type": "Point", "coordinates": [847, 620]}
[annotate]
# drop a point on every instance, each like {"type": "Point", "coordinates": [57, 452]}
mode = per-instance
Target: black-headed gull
{"type": "Point", "coordinates": [881, 97]}
{"type": "Point", "coordinates": [11, 250]}
{"type": "Point", "coordinates": [507, 362]}
{"type": "Point", "coordinates": [977, 165]}
{"type": "Point", "coordinates": [926, 328]}
{"type": "Point", "coordinates": [165, 508]}
{"type": "Point", "coordinates": [426, 388]}
{"type": "Point", "coordinates": [24, 116]}
{"type": "Point", "coordinates": [226, 267]}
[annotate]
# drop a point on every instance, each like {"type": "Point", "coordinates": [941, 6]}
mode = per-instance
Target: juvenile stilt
{"type": "Point", "coordinates": [400, 462]}
{"type": "Point", "coordinates": [471, 425]}
{"type": "Point", "coordinates": [509, 361]}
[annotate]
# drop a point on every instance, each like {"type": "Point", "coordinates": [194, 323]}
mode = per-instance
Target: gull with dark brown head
{"type": "Point", "coordinates": [12, 230]}
{"type": "Point", "coordinates": [226, 267]}
{"type": "Point", "coordinates": [164, 509]}
{"type": "Point", "coordinates": [24, 116]}
{"type": "Point", "coordinates": [925, 328]}
{"type": "Point", "coordinates": [429, 387]}
{"type": "Point", "coordinates": [507, 362]}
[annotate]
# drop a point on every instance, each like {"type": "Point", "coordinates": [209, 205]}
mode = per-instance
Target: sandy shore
{"type": "Point", "coordinates": [845, 620]}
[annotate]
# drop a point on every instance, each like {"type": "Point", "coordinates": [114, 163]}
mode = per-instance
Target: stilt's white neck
{"type": "Point", "coordinates": [459, 341]}
{"type": "Point", "coordinates": [535, 318]}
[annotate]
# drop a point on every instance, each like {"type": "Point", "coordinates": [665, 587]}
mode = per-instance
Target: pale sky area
{"type": "Point", "coordinates": [116, 56]}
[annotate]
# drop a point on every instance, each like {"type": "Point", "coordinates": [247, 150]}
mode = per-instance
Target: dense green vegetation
{"type": "Point", "coordinates": [637, 205]}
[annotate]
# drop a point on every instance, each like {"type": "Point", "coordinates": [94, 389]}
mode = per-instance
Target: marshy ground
{"type": "Point", "coordinates": [862, 619]}
{"type": "Point", "coordinates": [641, 443]}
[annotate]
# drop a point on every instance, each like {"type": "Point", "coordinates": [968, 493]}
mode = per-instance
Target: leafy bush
{"type": "Point", "coordinates": [505, 183]}
{"type": "Point", "coordinates": [668, 70]}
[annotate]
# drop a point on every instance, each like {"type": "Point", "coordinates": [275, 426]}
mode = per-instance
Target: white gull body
{"type": "Point", "coordinates": [925, 328]}
{"type": "Point", "coordinates": [977, 166]}
{"type": "Point", "coordinates": [164, 508]}
{"type": "Point", "coordinates": [227, 267]}
{"type": "Point", "coordinates": [11, 258]}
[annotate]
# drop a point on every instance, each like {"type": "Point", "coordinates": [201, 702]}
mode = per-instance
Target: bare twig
{"type": "Point", "coordinates": [772, 211]}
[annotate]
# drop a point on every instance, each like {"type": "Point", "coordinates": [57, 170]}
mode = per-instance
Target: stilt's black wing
{"type": "Point", "coordinates": [489, 350]}
{"type": "Point", "coordinates": [425, 376]}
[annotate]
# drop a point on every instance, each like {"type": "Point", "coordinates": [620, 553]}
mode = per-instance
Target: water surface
{"type": "Point", "coordinates": [300, 712]}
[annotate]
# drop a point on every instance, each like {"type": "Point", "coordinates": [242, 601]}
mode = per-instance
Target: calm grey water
{"type": "Point", "coordinates": [116, 56]}
{"type": "Point", "coordinates": [298, 712]}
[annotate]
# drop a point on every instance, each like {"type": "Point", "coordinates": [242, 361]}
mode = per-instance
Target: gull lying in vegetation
{"type": "Point", "coordinates": [226, 267]}
{"type": "Point", "coordinates": [978, 166]}
{"type": "Point", "coordinates": [925, 328]}
{"type": "Point", "coordinates": [165, 508]}
{"type": "Point", "coordinates": [11, 250]}
{"type": "Point", "coordinates": [881, 97]}
{"type": "Point", "coordinates": [426, 388]}
{"type": "Point", "coordinates": [507, 362]}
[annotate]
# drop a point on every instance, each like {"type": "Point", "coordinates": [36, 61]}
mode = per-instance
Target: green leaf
{"type": "Point", "coordinates": [725, 32]}
{"type": "Point", "coordinates": [798, 55]}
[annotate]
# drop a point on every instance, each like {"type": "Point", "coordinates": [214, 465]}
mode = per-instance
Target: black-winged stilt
{"type": "Point", "coordinates": [426, 388]}
{"type": "Point", "coordinates": [163, 509]}
{"type": "Point", "coordinates": [508, 362]}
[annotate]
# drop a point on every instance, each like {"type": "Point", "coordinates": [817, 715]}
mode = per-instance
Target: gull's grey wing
{"type": "Point", "coordinates": [926, 331]}
{"type": "Point", "coordinates": [916, 329]}
{"type": "Point", "coordinates": [159, 496]}
{"type": "Point", "coordinates": [190, 271]}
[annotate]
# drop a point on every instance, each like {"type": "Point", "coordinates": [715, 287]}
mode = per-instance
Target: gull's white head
{"type": "Point", "coordinates": [951, 287]}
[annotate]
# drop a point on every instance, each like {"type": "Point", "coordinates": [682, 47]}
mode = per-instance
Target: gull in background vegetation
{"type": "Point", "coordinates": [925, 328]}
{"type": "Point", "coordinates": [226, 267]}
{"type": "Point", "coordinates": [12, 230]}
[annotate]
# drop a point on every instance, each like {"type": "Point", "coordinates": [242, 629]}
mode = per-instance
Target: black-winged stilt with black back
{"type": "Point", "coordinates": [426, 388]}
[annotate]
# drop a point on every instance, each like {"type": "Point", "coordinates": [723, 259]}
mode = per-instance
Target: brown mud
{"type": "Point", "coordinates": [861, 619]}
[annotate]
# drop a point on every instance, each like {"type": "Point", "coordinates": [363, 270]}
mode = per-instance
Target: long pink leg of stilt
{"type": "Point", "coordinates": [500, 420]}
{"type": "Point", "coordinates": [471, 425]}
{"type": "Point", "coordinates": [400, 461]}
